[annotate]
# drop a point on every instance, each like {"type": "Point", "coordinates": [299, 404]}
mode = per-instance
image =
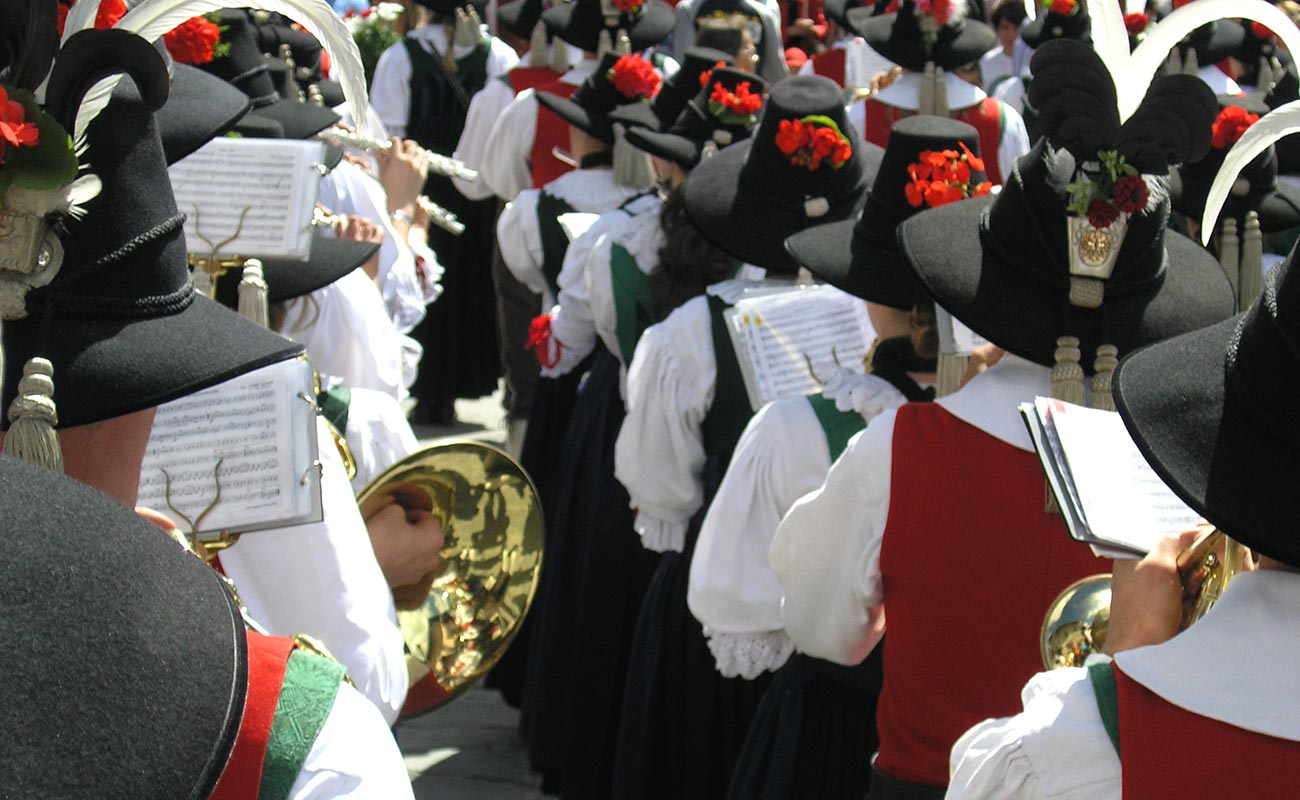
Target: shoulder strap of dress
{"type": "Point", "coordinates": [1102, 675]}
{"type": "Point", "coordinates": [838, 426]}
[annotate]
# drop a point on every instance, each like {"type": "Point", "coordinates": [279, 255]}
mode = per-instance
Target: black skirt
{"type": "Point", "coordinates": [814, 733]}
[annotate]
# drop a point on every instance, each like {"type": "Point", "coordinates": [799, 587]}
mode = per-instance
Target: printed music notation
{"type": "Point", "coordinates": [789, 341]}
{"type": "Point", "coordinates": [249, 440]}
{"type": "Point", "coordinates": [264, 189]}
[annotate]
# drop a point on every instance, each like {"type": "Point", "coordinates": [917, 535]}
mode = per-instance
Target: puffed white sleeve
{"type": "Point", "coordinates": [572, 325]}
{"type": "Point", "coordinates": [354, 756]}
{"type": "Point", "coordinates": [505, 168]}
{"type": "Point", "coordinates": [1056, 748]}
{"type": "Point", "coordinates": [781, 456]}
{"type": "Point", "coordinates": [826, 553]}
{"type": "Point", "coordinates": [322, 579]}
{"type": "Point", "coordinates": [659, 454]}
{"type": "Point", "coordinates": [520, 240]}
{"type": "Point", "coordinates": [1014, 142]}
{"type": "Point", "coordinates": [390, 89]}
{"type": "Point", "coordinates": [484, 109]}
{"type": "Point", "coordinates": [377, 433]}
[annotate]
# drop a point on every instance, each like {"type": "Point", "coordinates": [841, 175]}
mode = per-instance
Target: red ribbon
{"type": "Point", "coordinates": [539, 337]}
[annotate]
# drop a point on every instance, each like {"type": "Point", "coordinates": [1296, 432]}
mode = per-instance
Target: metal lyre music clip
{"type": "Point", "coordinates": [208, 269]}
{"type": "Point", "coordinates": [205, 548]}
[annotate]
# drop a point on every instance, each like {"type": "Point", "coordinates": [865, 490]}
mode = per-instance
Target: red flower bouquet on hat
{"type": "Point", "coordinates": [195, 41]}
{"type": "Point", "coordinates": [635, 78]}
{"type": "Point", "coordinates": [735, 108]}
{"type": "Point", "coordinates": [1136, 25]}
{"type": "Point", "coordinates": [1063, 8]}
{"type": "Point", "coordinates": [931, 15]}
{"type": "Point", "coordinates": [629, 6]}
{"type": "Point", "coordinates": [944, 176]}
{"type": "Point", "coordinates": [1232, 122]}
{"type": "Point", "coordinates": [109, 12]}
{"type": "Point", "coordinates": [1115, 188]}
{"type": "Point", "coordinates": [812, 141]}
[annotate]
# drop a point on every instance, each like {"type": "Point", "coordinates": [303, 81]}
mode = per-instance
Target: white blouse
{"type": "Point", "coordinates": [322, 579]}
{"type": "Point", "coordinates": [378, 434]}
{"type": "Point", "coordinates": [586, 304]}
{"type": "Point", "coordinates": [354, 756]}
{"type": "Point", "coordinates": [1235, 665]}
{"type": "Point", "coordinates": [782, 456]}
{"type": "Point", "coordinates": [826, 553]}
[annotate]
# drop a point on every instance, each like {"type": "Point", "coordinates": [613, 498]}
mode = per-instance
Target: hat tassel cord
{"type": "Point", "coordinates": [1230, 253]}
{"type": "Point", "coordinates": [934, 92]}
{"type": "Point", "coordinates": [253, 303]}
{"type": "Point", "coordinates": [604, 44]}
{"type": "Point", "coordinates": [951, 368]}
{"type": "Point", "coordinates": [632, 166]}
{"type": "Point", "coordinates": [559, 54]}
{"type": "Point", "coordinates": [537, 55]}
{"type": "Point", "coordinates": [1102, 378]}
{"type": "Point", "coordinates": [622, 43]}
{"type": "Point", "coordinates": [33, 417]}
{"type": "Point", "coordinates": [1067, 386]}
{"type": "Point", "coordinates": [1251, 282]}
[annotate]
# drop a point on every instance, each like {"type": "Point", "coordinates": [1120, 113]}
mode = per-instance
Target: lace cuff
{"type": "Point", "coordinates": [660, 535]}
{"type": "Point", "coordinates": [748, 655]}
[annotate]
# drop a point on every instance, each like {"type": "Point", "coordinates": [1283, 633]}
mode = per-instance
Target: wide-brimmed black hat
{"type": "Point", "coordinates": [1256, 188]}
{"type": "Point", "coordinates": [1005, 266]}
{"type": "Point", "coordinates": [580, 22]}
{"type": "Point", "coordinates": [1049, 25]}
{"type": "Point", "coordinates": [899, 38]}
{"type": "Point", "coordinates": [330, 260]}
{"type": "Point", "coordinates": [103, 612]}
{"type": "Point", "coordinates": [603, 91]}
{"type": "Point", "coordinates": [676, 91]}
{"type": "Point", "coordinates": [520, 16]}
{"type": "Point", "coordinates": [199, 107]}
{"type": "Point", "coordinates": [1212, 411]}
{"type": "Point", "coordinates": [704, 120]}
{"type": "Point", "coordinates": [861, 257]}
{"type": "Point", "coordinates": [120, 320]}
{"type": "Point", "coordinates": [749, 197]}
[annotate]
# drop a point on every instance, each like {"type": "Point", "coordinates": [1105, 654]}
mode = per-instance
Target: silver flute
{"type": "Point", "coordinates": [437, 215]}
{"type": "Point", "coordinates": [438, 163]}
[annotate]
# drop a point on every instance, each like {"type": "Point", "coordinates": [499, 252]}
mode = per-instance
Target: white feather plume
{"type": "Point", "coordinates": [1135, 6]}
{"type": "Point", "coordinates": [81, 17]}
{"type": "Point", "coordinates": [1281, 121]}
{"type": "Point", "coordinates": [1060, 167]}
{"type": "Point", "coordinates": [1110, 40]}
{"type": "Point", "coordinates": [1031, 10]}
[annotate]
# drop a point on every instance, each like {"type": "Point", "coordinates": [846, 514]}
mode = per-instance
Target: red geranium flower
{"type": "Point", "coordinates": [1136, 23]}
{"type": "Point", "coordinates": [1102, 212]}
{"type": "Point", "coordinates": [941, 10]}
{"type": "Point", "coordinates": [635, 78]}
{"type": "Point", "coordinates": [194, 41]}
{"type": "Point", "coordinates": [629, 6]}
{"type": "Point", "coordinates": [1130, 193]}
{"type": "Point", "coordinates": [1063, 7]}
{"type": "Point", "coordinates": [708, 73]}
{"type": "Point", "coordinates": [812, 140]}
{"type": "Point", "coordinates": [742, 101]}
{"type": "Point", "coordinates": [940, 177]}
{"type": "Point", "coordinates": [15, 130]}
{"type": "Point", "coordinates": [892, 7]}
{"type": "Point", "coordinates": [110, 11]}
{"type": "Point", "coordinates": [1233, 121]}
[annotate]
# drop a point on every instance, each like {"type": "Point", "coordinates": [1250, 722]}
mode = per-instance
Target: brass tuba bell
{"type": "Point", "coordinates": [492, 527]}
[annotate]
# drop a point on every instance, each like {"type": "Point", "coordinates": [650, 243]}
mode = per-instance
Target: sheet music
{"type": "Point", "coordinates": [276, 180]}
{"type": "Point", "coordinates": [254, 435]}
{"type": "Point", "coordinates": [778, 336]}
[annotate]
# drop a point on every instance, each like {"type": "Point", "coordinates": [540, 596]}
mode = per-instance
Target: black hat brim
{"type": "Point", "coordinates": [331, 92]}
{"type": "Point", "coordinates": [635, 115]}
{"type": "Point", "coordinates": [972, 41]}
{"type": "Point", "coordinates": [299, 120]}
{"type": "Point", "coordinates": [1204, 443]}
{"type": "Point", "coordinates": [330, 260]}
{"type": "Point", "coordinates": [650, 28]}
{"type": "Point", "coordinates": [511, 16]}
{"type": "Point", "coordinates": [1225, 40]}
{"type": "Point", "coordinates": [1023, 315]}
{"type": "Point", "coordinates": [106, 367]}
{"type": "Point", "coordinates": [849, 262]}
{"type": "Point", "coordinates": [749, 225]}
{"type": "Point", "coordinates": [199, 108]}
{"type": "Point", "coordinates": [598, 125]}
{"type": "Point", "coordinates": [1033, 30]}
{"type": "Point", "coordinates": [669, 146]}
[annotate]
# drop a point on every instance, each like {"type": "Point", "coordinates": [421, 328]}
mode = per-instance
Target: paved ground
{"type": "Point", "coordinates": [469, 750]}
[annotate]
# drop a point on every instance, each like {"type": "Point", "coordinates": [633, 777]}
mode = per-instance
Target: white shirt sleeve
{"type": "Point", "coordinates": [484, 110]}
{"type": "Point", "coordinates": [1014, 142]}
{"type": "Point", "coordinates": [781, 456]}
{"type": "Point", "coordinates": [827, 552]}
{"type": "Point", "coordinates": [659, 455]}
{"type": "Point", "coordinates": [520, 240]}
{"type": "Point", "coordinates": [322, 579]}
{"type": "Point", "coordinates": [354, 756]}
{"type": "Point", "coordinates": [378, 434]}
{"type": "Point", "coordinates": [571, 320]}
{"type": "Point", "coordinates": [1056, 748]}
{"type": "Point", "coordinates": [506, 168]}
{"type": "Point", "coordinates": [390, 89]}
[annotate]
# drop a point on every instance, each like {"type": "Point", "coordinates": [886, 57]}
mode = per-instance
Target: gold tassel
{"type": "Point", "coordinates": [632, 167]}
{"type": "Point", "coordinates": [1103, 373]}
{"type": "Point", "coordinates": [603, 44]}
{"type": "Point", "coordinates": [33, 417]}
{"type": "Point", "coordinates": [537, 46]}
{"type": "Point", "coordinates": [940, 93]}
{"type": "Point", "coordinates": [1230, 253]}
{"type": "Point", "coordinates": [949, 372]}
{"type": "Point", "coordinates": [1067, 375]}
{"type": "Point", "coordinates": [559, 56]}
{"type": "Point", "coordinates": [253, 294]}
{"type": "Point", "coordinates": [1252, 263]}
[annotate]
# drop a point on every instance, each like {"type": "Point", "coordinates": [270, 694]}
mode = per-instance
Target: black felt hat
{"type": "Point", "coordinates": [1256, 188]}
{"type": "Point", "coordinates": [590, 106]}
{"type": "Point", "coordinates": [1006, 267]}
{"type": "Point", "coordinates": [749, 197]}
{"type": "Point", "coordinates": [1049, 25]}
{"type": "Point", "coordinates": [520, 16]}
{"type": "Point", "coordinates": [676, 91]}
{"type": "Point", "coordinates": [838, 10]}
{"type": "Point", "coordinates": [127, 667]}
{"type": "Point", "coordinates": [861, 257]}
{"type": "Point", "coordinates": [1213, 413]}
{"type": "Point", "coordinates": [330, 260]}
{"type": "Point", "coordinates": [120, 320]}
{"type": "Point", "coordinates": [199, 107]}
{"type": "Point", "coordinates": [580, 22]}
{"type": "Point", "coordinates": [899, 37]}
{"type": "Point", "coordinates": [706, 123]}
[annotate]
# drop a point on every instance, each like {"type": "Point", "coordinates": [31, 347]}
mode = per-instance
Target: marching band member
{"type": "Point", "coordinates": [681, 722]}
{"type": "Point", "coordinates": [761, 18]}
{"type": "Point", "coordinates": [961, 471]}
{"type": "Point", "coordinates": [849, 61]}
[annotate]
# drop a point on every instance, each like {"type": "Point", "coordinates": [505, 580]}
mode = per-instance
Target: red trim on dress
{"type": "Point", "coordinates": [831, 64]}
{"type": "Point", "coordinates": [268, 657]}
{"type": "Point", "coordinates": [552, 132]}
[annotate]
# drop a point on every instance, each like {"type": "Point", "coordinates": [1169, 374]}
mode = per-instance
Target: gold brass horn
{"type": "Point", "coordinates": [491, 558]}
{"type": "Point", "coordinates": [1077, 620]}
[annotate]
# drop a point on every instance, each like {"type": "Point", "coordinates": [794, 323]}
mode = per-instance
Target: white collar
{"type": "Point", "coordinates": [590, 190]}
{"type": "Point", "coordinates": [1240, 663]}
{"type": "Point", "coordinates": [436, 35]}
{"type": "Point", "coordinates": [991, 400]}
{"type": "Point", "coordinates": [905, 92]}
{"type": "Point", "coordinates": [1217, 80]}
{"type": "Point", "coordinates": [579, 72]}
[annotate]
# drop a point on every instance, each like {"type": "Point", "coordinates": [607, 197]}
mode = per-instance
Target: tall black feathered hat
{"type": "Point", "coordinates": [1058, 19]}
{"type": "Point", "coordinates": [677, 89]}
{"type": "Point", "coordinates": [911, 37]}
{"type": "Point", "coordinates": [804, 165]}
{"type": "Point", "coordinates": [106, 613]}
{"type": "Point", "coordinates": [617, 80]}
{"type": "Point", "coordinates": [861, 256]}
{"type": "Point", "coordinates": [1073, 260]}
{"type": "Point", "coordinates": [581, 22]}
{"type": "Point", "coordinates": [724, 112]}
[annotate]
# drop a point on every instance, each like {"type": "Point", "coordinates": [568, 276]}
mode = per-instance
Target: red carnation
{"type": "Point", "coordinates": [1130, 194]}
{"type": "Point", "coordinates": [1232, 122]}
{"type": "Point", "coordinates": [1063, 7]}
{"type": "Point", "coordinates": [15, 130]}
{"type": "Point", "coordinates": [110, 11]}
{"type": "Point", "coordinates": [194, 41]}
{"type": "Point", "coordinates": [1102, 212]}
{"type": "Point", "coordinates": [791, 136]}
{"type": "Point", "coordinates": [635, 78]}
{"type": "Point", "coordinates": [941, 10]}
{"type": "Point", "coordinates": [629, 6]}
{"type": "Point", "coordinates": [708, 73]}
{"type": "Point", "coordinates": [1136, 23]}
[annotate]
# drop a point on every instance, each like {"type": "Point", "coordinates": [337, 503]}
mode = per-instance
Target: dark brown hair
{"type": "Point", "coordinates": [688, 263]}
